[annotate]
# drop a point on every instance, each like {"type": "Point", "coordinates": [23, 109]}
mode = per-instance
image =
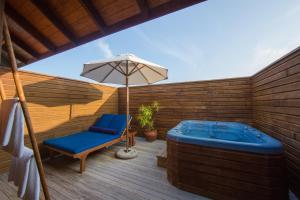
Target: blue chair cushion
{"type": "Point", "coordinates": [80, 142]}
{"type": "Point", "coordinates": [118, 123]}
{"type": "Point", "coordinates": [112, 121]}
{"type": "Point", "coordinates": [104, 120]}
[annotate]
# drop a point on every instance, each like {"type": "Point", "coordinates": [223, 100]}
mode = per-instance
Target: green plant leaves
{"type": "Point", "coordinates": [146, 114]}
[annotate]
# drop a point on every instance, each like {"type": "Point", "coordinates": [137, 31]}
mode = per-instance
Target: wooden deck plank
{"type": "Point", "coordinates": [107, 177]}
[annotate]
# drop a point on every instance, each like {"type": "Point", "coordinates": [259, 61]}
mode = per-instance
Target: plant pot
{"type": "Point", "coordinates": [151, 135]}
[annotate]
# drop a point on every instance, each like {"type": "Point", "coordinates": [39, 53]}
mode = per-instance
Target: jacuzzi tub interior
{"type": "Point", "coordinates": [225, 160]}
{"type": "Point", "coordinates": [227, 135]}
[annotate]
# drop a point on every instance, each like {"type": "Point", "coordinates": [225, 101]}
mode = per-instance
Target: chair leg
{"type": "Point", "coordinates": [82, 163]}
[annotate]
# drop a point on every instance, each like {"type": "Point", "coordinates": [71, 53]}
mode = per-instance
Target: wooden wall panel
{"type": "Point", "coordinates": [276, 108]}
{"type": "Point", "coordinates": [224, 100]}
{"type": "Point", "coordinates": [59, 106]}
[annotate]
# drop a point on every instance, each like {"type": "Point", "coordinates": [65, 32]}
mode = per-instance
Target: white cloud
{"type": "Point", "coordinates": [265, 55]}
{"type": "Point", "coordinates": [189, 54]}
{"type": "Point", "coordinates": [295, 10]}
{"type": "Point", "coordinates": [105, 48]}
{"type": "Point", "coordinates": [185, 52]}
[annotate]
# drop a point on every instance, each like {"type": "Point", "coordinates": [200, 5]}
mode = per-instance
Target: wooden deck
{"type": "Point", "coordinates": [108, 178]}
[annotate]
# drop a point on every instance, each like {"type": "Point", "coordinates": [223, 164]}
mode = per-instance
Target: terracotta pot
{"type": "Point", "coordinates": [151, 135]}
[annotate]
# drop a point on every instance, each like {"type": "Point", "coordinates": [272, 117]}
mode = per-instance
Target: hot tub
{"type": "Point", "coordinates": [225, 160]}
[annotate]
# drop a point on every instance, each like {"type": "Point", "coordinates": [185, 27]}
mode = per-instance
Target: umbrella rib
{"type": "Point", "coordinates": [116, 67]}
{"type": "Point", "coordinates": [155, 71]}
{"type": "Point", "coordinates": [107, 75]}
{"type": "Point", "coordinates": [136, 66]}
{"type": "Point", "coordinates": [137, 70]}
{"type": "Point", "coordinates": [113, 68]}
{"type": "Point", "coordinates": [97, 67]}
{"type": "Point", "coordinates": [121, 70]}
{"type": "Point", "coordinates": [143, 75]}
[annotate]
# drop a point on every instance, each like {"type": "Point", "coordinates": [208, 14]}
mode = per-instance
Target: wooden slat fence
{"type": "Point", "coordinates": [276, 108]}
{"type": "Point", "coordinates": [224, 100]}
{"type": "Point", "coordinates": [59, 106]}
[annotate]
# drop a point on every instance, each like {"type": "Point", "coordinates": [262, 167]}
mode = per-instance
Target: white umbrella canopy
{"type": "Point", "coordinates": [116, 69]}
{"type": "Point", "coordinates": [125, 69]}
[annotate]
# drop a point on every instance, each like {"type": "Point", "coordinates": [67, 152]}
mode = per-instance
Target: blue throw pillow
{"type": "Point", "coordinates": [102, 130]}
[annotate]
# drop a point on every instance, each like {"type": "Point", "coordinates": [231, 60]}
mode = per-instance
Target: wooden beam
{"type": "Point", "coordinates": [2, 3]}
{"type": "Point", "coordinates": [28, 27]}
{"type": "Point", "coordinates": [19, 56]}
{"type": "Point", "coordinates": [143, 5]}
{"type": "Point", "coordinates": [129, 22]}
{"type": "Point", "coordinates": [24, 46]}
{"type": "Point", "coordinates": [172, 6]}
{"type": "Point", "coordinates": [95, 15]}
{"type": "Point", "coordinates": [23, 103]}
{"type": "Point", "coordinates": [45, 8]}
{"type": "Point", "coordinates": [151, 14]}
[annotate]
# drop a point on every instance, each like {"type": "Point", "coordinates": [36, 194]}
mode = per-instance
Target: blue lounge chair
{"type": "Point", "coordinates": [109, 129]}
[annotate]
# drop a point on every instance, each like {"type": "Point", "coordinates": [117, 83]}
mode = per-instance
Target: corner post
{"type": "Point", "coordinates": [20, 92]}
{"type": "Point", "coordinates": [2, 92]}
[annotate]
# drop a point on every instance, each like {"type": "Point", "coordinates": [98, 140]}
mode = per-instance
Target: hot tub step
{"type": "Point", "coordinates": [162, 158]}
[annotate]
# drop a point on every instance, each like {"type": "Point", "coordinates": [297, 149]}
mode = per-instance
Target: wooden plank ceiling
{"type": "Point", "coordinates": [41, 28]}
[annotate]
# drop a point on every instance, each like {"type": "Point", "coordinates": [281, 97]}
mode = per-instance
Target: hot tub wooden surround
{"type": "Point", "coordinates": [226, 174]}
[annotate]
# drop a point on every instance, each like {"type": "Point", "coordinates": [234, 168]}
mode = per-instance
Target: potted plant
{"type": "Point", "coordinates": [146, 120]}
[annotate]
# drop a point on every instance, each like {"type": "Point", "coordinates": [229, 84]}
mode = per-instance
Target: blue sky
{"type": "Point", "coordinates": [211, 40]}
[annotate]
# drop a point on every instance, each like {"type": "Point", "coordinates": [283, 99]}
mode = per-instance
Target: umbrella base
{"type": "Point", "coordinates": [123, 154]}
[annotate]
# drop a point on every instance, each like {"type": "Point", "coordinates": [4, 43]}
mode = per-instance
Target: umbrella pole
{"type": "Point", "coordinates": [127, 153]}
{"type": "Point", "coordinates": [127, 113]}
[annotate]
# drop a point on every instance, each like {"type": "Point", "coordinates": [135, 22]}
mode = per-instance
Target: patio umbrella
{"type": "Point", "coordinates": [125, 69]}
